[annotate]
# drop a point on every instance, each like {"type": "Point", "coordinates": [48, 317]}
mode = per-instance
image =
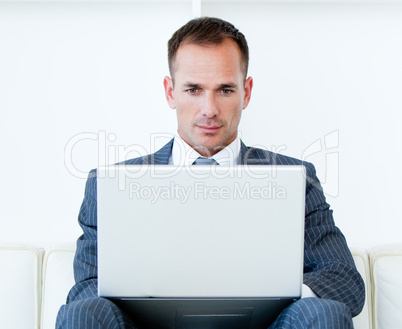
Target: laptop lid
{"type": "Point", "coordinates": [200, 232]}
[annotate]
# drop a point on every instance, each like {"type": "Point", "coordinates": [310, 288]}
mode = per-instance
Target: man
{"type": "Point", "coordinates": [209, 88]}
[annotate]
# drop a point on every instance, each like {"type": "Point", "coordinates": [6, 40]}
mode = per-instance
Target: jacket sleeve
{"type": "Point", "coordinates": [329, 269]}
{"type": "Point", "coordinates": [85, 260]}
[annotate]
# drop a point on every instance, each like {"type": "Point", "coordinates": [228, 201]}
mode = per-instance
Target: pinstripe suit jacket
{"type": "Point", "coordinates": [329, 269]}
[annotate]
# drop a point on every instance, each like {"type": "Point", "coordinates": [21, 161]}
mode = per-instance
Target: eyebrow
{"type": "Point", "coordinates": [191, 85]}
{"type": "Point", "coordinates": [221, 86]}
{"type": "Point", "coordinates": [228, 85]}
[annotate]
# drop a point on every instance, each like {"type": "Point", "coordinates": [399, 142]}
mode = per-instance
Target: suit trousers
{"type": "Point", "coordinates": [100, 313]}
{"type": "Point", "coordinates": [92, 313]}
{"type": "Point", "coordinates": [314, 313]}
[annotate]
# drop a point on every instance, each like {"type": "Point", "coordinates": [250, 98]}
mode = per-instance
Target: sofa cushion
{"type": "Point", "coordinates": [58, 278]}
{"type": "Point", "coordinates": [386, 273]}
{"type": "Point", "coordinates": [363, 320]}
{"type": "Point", "coordinates": [19, 286]}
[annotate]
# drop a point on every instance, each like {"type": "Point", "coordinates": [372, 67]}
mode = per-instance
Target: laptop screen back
{"type": "Point", "coordinates": [200, 232]}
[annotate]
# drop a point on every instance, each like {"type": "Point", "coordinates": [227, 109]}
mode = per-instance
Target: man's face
{"type": "Point", "coordinates": [209, 94]}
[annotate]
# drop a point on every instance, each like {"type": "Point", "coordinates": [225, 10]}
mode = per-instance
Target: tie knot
{"type": "Point", "coordinates": [205, 161]}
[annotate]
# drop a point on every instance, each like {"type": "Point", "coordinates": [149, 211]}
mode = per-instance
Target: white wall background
{"type": "Point", "coordinates": [81, 85]}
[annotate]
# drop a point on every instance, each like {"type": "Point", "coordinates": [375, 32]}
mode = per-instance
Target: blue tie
{"type": "Point", "coordinates": [205, 161]}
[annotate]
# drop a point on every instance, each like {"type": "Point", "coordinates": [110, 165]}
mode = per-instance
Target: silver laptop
{"type": "Point", "coordinates": [201, 246]}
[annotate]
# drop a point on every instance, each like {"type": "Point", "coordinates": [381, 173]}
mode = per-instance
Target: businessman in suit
{"type": "Point", "coordinates": [209, 89]}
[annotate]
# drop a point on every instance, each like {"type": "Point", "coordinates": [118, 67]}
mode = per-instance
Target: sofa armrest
{"type": "Point", "coordinates": [386, 274]}
{"type": "Point", "coordinates": [20, 286]}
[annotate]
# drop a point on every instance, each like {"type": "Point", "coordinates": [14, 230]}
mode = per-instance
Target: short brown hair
{"type": "Point", "coordinates": [205, 31]}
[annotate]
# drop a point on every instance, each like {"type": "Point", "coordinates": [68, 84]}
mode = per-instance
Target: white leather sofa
{"type": "Point", "coordinates": [34, 283]}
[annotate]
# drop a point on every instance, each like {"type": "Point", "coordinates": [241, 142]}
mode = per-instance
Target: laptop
{"type": "Point", "coordinates": [201, 246]}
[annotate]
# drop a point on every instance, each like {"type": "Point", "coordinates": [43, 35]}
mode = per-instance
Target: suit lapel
{"type": "Point", "coordinates": [162, 156]}
{"type": "Point", "coordinates": [252, 156]}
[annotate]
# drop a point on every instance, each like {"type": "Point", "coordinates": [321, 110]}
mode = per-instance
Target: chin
{"type": "Point", "coordinates": [211, 148]}
{"type": "Point", "coordinates": [208, 144]}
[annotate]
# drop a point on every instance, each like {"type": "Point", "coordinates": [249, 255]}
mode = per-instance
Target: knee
{"type": "Point", "coordinates": [317, 313]}
{"type": "Point", "coordinates": [92, 312]}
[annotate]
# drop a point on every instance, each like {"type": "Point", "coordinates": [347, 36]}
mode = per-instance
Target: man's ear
{"type": "Point", "coordinates": [248, 86]}
{"type": "Point", "coordinates": [168, 85]}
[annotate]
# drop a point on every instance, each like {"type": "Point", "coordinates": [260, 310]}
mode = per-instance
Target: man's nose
{"type": "Point", "coordinates": [210, 106]}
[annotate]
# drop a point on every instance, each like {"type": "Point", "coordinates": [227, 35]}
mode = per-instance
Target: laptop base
{"type": "Point", "coordinates": [203, 313]}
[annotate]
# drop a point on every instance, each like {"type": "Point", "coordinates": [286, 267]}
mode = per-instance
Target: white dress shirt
{"type": "Point", "coordinates": [184, 154]}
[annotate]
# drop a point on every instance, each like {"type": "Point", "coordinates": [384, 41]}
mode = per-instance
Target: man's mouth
{"type": "Point", "coordinates": [209, 129]}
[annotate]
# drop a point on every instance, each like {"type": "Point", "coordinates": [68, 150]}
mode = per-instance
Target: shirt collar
{"type": "Point", "coordinates": [184, 154]}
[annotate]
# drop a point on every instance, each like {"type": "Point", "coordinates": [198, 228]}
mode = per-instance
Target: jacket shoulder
{"type": "Point", "coordinates": [254, 156]}
{"type": "Point", "coordinates": [160, 157]}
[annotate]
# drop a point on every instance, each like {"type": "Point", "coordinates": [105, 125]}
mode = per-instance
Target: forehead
{"type": "Point", "coordinates": [208, 61]}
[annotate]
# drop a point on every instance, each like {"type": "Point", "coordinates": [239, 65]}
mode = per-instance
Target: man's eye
{"type": "Point", "coordinates": [226, 91]}
{"type": "Point", "coordinates": [192, 90]}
